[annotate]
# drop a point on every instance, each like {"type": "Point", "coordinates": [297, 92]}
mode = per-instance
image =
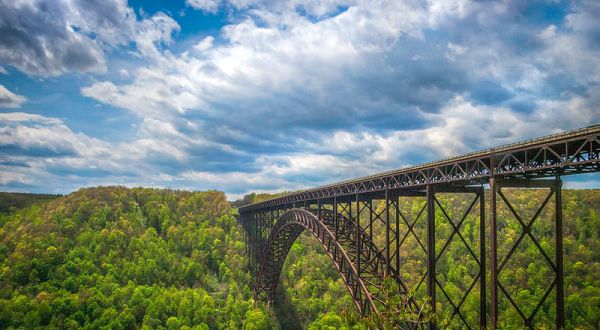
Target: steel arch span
{"type": "Point", "coordinates": [364, 227]}
{"type": "Point", "coordinates": [283, 234]}
{"type": "Point", "coordinates": [338, 235]}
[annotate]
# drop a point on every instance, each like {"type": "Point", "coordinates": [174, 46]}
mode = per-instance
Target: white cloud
{"type": "Point", "coordinates": [204, 44]}
{"type": "Point", "coordinates": [38, 135]}
{"type": "Point", "coordinates": [258, 60]}
{"type": "Point", "coordinates": [441, 10]}
{"type": "Point", "coordinates": [42, 151]}
{"type": "Point", "coordinates": [461, 127]}
{"type": "Point", "coordinates": [49, 38]}
{"type": "Point", "coordinates": [314, 8]}
{"type": "Point", "coordinates": [9, 99]}
{"type": "Point", "coordinates": [14, 117]}
{"type": "Point", "coordinates": [153, 32]}
{"type": "Point", "coordinates": [280, 80]}
{"type": "Point", "coordinates": [209, 6]}
{"type": "Point", "coordinates": [585, 17]}
{"type": "Point", "coordinates": [455, 50]}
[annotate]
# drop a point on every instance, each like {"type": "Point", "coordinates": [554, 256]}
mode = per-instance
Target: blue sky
{"type": "Point", "coordinates": [267, 95]}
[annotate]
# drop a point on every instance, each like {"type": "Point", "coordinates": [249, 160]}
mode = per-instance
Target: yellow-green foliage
{"type": "Point", "coordinates": [124, 259]}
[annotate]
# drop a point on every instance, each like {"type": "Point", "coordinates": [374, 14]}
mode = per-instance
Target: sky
{"type": "Point", "coordinates": [268, 95]}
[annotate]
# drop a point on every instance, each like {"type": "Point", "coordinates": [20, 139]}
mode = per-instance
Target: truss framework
{"type": "Point", "coordinates": [561, 154]}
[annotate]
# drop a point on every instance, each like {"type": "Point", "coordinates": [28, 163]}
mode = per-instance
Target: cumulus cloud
{"type": "Point", "coordinates": [153, 32]}
{"type": "Point", "coordinates": [300, 93]}
{"type": "Point", "coordinates": [368, 65]}
{"type": "Point", "coordinates": [9, 99]}
{"type": "Point", "coordinates": [372, 85]}
{"type": "Point", "coordinates": [584, 20]}
{"type": "Point", "coordinates": [48, 38]}
{"type": "Point", "coordinates": [39, 136]}
{"type": "Point", "coordinates": [313, 8]}
{"type": "Point", "coordinates": [266, 55]}
{"type": "Point", "coordinates": [37, 152]}
{"type": "Point", "coordinates": [209, 6]}
{"type": "Point", "coordinates": [204, 44]}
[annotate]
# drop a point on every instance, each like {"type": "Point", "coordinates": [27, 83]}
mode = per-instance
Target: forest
{"type": "Point", "coordinates": [140, 258]}
{"type": "Point", "coordinates": [121, 258]}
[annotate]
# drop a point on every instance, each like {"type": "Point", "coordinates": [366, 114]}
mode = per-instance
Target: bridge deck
{"type": "Point", "coordinates": [571, 152]}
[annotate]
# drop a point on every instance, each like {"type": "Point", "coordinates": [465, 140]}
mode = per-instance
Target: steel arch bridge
{"type": "Point", "coordinates": [348, 217]}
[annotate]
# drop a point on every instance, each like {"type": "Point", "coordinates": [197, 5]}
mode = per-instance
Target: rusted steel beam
{"type": "Point", "coordinates": [431, 251]}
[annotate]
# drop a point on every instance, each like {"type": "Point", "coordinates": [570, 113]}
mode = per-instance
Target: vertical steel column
{"type": "Point", "coordinates": [261, 218]}
{"type": "Point", "coordinates": [260, 228]}
{"type": "Point", "coordinates": [260, 233]}
{"type": "Point", "coordinates": [482, 257]}
{"type": "Point", "coordinates": [254, 234]}
{"type": "Point", "coordinates": [335, 216]}
{"type": "Point", "coordinates": [266, 226]}
{"type": "Point", "coordinates": [368, 205]}
{"type": "Point", "coordinates": [431, 250]}
{"type": "Point", "coordinates": [398, 235]}
{"type": "Point", "coordinates": [357, 238]}
{"type": "Point", "coordinates": [319, 208]}
{"type": "Point", "coordinates": [493, 256]}
{"type": "Point", "coordinates": [560, 291]}
{"type": "Point", "coordinates": [370, 218]}
{"type": "Point", "coordinates": [387, 233]}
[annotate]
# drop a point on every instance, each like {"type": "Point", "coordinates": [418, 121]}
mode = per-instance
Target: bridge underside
{"type": "Point", "coordinates": [340, 247]}
{"type": "Point", "coordinates": [407, 228]}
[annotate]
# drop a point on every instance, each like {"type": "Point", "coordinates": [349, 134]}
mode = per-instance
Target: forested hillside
{"type": "Point", "coordinates": [126, 258]}
{"type": "Point", "coordinates": [149, 258]}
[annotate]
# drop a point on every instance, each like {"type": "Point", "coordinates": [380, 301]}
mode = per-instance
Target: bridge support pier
{"type": "Point", "coordinates": [496, 266]}
{"type": "Point", "coordinates": [435, 253]}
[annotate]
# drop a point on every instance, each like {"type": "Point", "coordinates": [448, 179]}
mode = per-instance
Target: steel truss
{"type": "Point", "coordinates": [497, 289]}
{"type": "Point", "coordinates": [561, 154]}
{"type": "Point", "coordinates": [346, 218]}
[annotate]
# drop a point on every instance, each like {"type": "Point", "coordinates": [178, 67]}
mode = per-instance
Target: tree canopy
{"type": "Point", "coordinates": [119, 258]}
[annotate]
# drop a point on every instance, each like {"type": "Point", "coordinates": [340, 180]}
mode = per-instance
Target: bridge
{"type": "Point", "coordinates": [350, 218]}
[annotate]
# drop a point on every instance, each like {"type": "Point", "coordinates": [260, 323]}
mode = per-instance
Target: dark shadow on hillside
{"type": "Point", "coordinates": [10, 202]}
{"type": "Point", "coordinates": [286, 313]}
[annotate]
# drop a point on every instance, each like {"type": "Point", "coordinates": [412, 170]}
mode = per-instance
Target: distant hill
{"type": "Point", "coordinates": [10, 201]}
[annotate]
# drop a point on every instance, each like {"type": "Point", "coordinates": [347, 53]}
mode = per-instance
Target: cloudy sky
{"type": "Point", "coordinates": [268, 95]}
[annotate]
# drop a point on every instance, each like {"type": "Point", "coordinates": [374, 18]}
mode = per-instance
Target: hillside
{"type": "Point", "coordinates": [126, 258]}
